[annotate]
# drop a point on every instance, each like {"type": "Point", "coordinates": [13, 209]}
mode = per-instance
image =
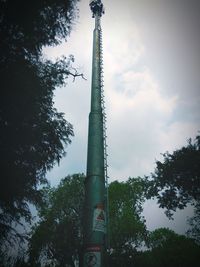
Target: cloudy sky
{"type": "Point", "coordinates": [151, 79]}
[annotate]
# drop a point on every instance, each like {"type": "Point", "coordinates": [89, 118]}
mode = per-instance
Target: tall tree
{"type": "Point", "coordinates": [166, 249]}
{"type": "Point", "coordinates": [28, 26]}
{"type": "Point", "coordinates": [176, 181]}
{"type": "Point", "coordinates": [57, 237]}
{"type": "Point", "coordinates": [194, 223]}
{"type": "Point", "coordinates": [171, 249]}
{"type": "Point", "coordinates": [58, 234]}
{"type": "Point", "coordinates": [127, 225]}
{"type": "Point", "coordinates": [33, 134]}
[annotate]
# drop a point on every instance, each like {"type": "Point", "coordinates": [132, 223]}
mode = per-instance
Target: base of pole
{"type": "Point", "coordinates": [92, 257]}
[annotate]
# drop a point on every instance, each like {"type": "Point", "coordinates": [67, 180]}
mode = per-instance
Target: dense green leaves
{"type": "Point", "coordinates": [176, 182]}
{"type": "Point", "coordinates": [127, 225]}
{"type": "Point", "coordinates": [171, 249]}
{"type": "Point", "coordinates": [33, 134]}
{"type": "Point", "coordinates": [194, 222]}
{"type": "Point", "coordinates": [58, 234]}
{"type": "Point", "coordinates": [57, 237]}
{"type": "Point", "coordinates": [166, 248]}
{"type": "Point", "coordinates": [177, 179]}
{"type": "Point", "coordinates": [27, 26]}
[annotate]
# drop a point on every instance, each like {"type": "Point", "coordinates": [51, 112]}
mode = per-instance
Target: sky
{"type": "Point", "coordinates": [151, 79]}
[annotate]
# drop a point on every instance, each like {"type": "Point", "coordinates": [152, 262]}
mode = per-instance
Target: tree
{"type": "Point", "coordinates": [176, 180]}
{"type": "Point", "coordinates": [58, 234]}
{"type": "Point", "coordinates": [194, 223]}
{"type": "Point", "coordinates": [33, 134]}
{"type": "Point", "coordinates": [26, 27]}
{"type": "Point", "coordinates": [170, 249]}
{"type": "Point", "coordinates": [57, 237]}
{"type": "Point", "coordinates": [127, 225]}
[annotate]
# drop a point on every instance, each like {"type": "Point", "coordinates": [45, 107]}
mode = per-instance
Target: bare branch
{"type": "Point", "coordinates": [76, 74]}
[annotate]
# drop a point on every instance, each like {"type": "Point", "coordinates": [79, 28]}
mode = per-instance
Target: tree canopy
{"type": "Point", "coordinates": [176, 182]}
{"type": "Point", "coordinates": [58, 234]}
{"type": "Point", "coordinates": [127, 225]}
{"type": "Point", "coordinates": [33, 134]}
{"type": "Point", "coordinates": [125, 207]}
{"type": "Point", "coordinates": [28, 26]}
{"type": "Point", "coordinates": [57, 237]}
{"type": "Point", "coordinates": [167, 248]}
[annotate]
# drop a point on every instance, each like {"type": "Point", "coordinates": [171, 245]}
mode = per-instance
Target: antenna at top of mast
{"type": "Point", "coordinates": [97, 8]}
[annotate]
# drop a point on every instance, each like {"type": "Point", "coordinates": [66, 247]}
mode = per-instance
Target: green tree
{"type": "Point", "coordinates": [58, 234]}
{"type": "Point", "coordinates": [33, 134]}
{"type": "Point", "coordinates": [127, 225]}
{"type": "Point", "coordinates": [176, 181]}
{"type": "Point", "coordinates": [57, 237]}
{"type": "Point", "coordinates": [28, 26]}
{"type": "Point", "coordinates": [170, 249]}
{"type": "Point", "coordinates": [194, 222]}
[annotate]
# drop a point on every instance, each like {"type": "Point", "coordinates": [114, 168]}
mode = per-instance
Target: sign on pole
{"type": "Point", "coordinates": [92, 257]}
{"type": "Point", "coordinates": [99, 219]}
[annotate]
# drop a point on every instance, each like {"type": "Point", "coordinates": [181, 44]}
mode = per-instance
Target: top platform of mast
{"type": "Point", "coordinates": [97, 8]}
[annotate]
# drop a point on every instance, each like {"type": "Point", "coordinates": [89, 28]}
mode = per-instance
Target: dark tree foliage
{"type": "Point", "coordinates": [176, 183]}
{"type": "Point", "coordinates": [27, 26]}
{"type": "Point", "coordinates": [194, 223]}
{"type": "Point", "coordinates": [57, 237]}
{"type": "Point", "coordinates": [168, 249]}
{"type": "Point", "coordinates": [127, 225]}
{"type": "Point", "coordinates": [33, 134]}
{"type": "Point", "coordinates": [176, 180]}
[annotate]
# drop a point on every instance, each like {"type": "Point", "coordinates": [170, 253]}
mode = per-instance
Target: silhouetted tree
{"type": "Point", "coordinates": [127, 225]}
{"type": "Point", "coordinates": [33, 134]}
{"type": "Point", "coordinates": [168, 249]}
{"type": "Point", "coordinates": [176, 182]}
{"type": "Point", "coordinates": [57, 237]}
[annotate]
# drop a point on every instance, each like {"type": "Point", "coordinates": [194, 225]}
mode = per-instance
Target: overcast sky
{"type": "Point", "coordinates": [151, 80]}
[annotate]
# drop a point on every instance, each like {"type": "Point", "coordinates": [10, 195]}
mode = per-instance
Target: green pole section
{"type": "Point", "coordinates": [95, 200]}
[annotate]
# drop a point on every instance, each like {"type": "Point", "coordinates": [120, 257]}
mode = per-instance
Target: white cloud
{"type": "Point", "coordinates": [176, 135]}
{"type": "Point", "coordinates": [137, 114]}
{"type": "Point", "coordinates": [159, 218]}
{"type": "Point", "coordinates": [141, 122]}
{"type": "Point", "coordinates": [142, 114]}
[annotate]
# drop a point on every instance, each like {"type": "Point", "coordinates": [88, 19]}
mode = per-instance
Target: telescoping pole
{"type": "Point", "coordinates": [95, 190]}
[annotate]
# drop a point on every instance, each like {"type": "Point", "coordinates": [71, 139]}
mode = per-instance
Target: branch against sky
{"type": "Point", "coordinates": [34, 134]}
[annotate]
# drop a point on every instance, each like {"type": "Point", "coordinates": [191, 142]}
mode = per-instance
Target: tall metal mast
{"type": "Point", "coordinates": [95, 219]}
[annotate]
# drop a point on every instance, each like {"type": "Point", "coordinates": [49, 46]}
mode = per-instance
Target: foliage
{"type": "Point", "coordinates": [58, 234]}
{"type": "Point", "coordinates": [194, 222]}
{"type": "Point", "coordinates": [57, 237]}
{"type": "Point", "coordinates": [127, 226]}
{"type": "Point", "coordinates": [32, 137]}
{"type": "Point", "coordinates": [28, 26]}
{"type": "Point", "coordinates": [171, 249]}
{"type": "Point", "coordinates": [168, 249]}
{"type": "Point", "coordinates": [176, 182]}
{"type": "Point", "coordinates": [33, 134]}
{"type": "Point", "coordinates": [177, 179]}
